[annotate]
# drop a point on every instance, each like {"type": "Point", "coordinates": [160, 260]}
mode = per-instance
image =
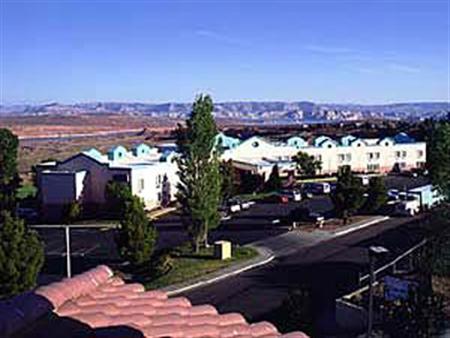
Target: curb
{"type": "Point", "coordinates": [262, 252]}
{"type": "Point", "coordinates": [361, 226]}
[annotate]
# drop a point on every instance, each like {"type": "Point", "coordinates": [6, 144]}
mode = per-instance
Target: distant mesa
{"type": "Point", "coordinates": [276, 111]}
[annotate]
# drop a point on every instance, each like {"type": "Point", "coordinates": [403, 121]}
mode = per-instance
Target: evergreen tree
{"type": "Point", "coordinates": [72, 212]}
{"type": "Point", "coordinates": [21, 257]}
{"type": "Point", "coordinates": [116, 195]}
{"type": "Point", "coordinates": [307, 165]}
{"type": "Point", "coordinates": [438, 156]}
{"type": "Point", "coordinates": [228, 181]}
{"type": "Point", "coordinates": [377, 195]}
{"type": "Point", "coordinates": [274, 182]}
{"type": "Point", "coordinates": [9, 177]}
{"type": "Point", "coordinates": [250, 183]}
{"type": "Point", "coordinates": [348, 196]}
{"type": "Point", "coordinates": [199, 190]}
{"type": "Point", "coordinates": [137, 236]}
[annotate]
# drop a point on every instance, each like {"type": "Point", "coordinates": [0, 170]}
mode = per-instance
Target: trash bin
{"type": "Point", "coordinates": [222, 250]}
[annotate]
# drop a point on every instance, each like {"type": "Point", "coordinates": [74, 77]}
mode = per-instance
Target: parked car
{"type": "Point", "coordinates": [278, 198]}
{"type": "Point", "coordinates": [365, 180]}
{"type": "Point", "coordinates": [232, 206]}
{"type": "Point", "coordinates": [318, 188]}
{"type": "Point", "coordinates": [302, 213]}
{"type": "Point", "coordinates": [294, 194]}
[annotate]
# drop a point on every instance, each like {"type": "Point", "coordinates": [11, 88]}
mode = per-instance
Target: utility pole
{"type": "Point", "coordinates": [68, 262]}
{"type": "Point", "coordinates": [374, 253]}
{"type": "Point", "coordinates": [371, 282]}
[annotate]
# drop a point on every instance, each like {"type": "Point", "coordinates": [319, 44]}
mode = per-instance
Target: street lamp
{"type": "Point", "coordinates": [374, 253]}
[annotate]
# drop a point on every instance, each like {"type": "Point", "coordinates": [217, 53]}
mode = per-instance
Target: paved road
{"type": "Point", "coordinates": [337, 261]}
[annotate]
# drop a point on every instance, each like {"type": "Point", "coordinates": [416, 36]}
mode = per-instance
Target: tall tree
{"type": "Point", "coordinates": [348, 196]}
{"type": "Point", "coordinates": [137, 236]}
{"type": "Point", "coordinates": [21, 256]}
{"type": "Point", "coordinates": [116, 195]}
{"type": "Point", "coordinates": [274, 182]}
{"type": "Point", "coordinates": [9, 177]}
{"type": "Point", "coordinates": [438, 157]}
{"type": "Point", "coordinates": [307, 165]}
{"type": "Point", "coordinates": [199, 190]}
{"type": "Point", "coordinates": [377, 195]}
{"type": "Point", "coordinates": [228, 180]}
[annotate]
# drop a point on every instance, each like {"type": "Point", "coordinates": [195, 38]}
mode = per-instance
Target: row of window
{"type": "Point", "coordinates": [158, 181]}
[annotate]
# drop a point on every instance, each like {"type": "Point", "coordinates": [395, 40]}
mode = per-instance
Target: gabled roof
{"type": "Point", "coordinates": [97, 303]}
{"type": "Point", "coordinates": [347, 140]}
{"type": "Point", "coordinates": [403, 138]}
{"type": "Point", "coordinates": [297, 141]}
{"type": "Point", "coordinates": [319, 140]}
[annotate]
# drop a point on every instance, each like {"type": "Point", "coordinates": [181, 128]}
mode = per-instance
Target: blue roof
{"type": "Point", "coordinates": [347, 140]}
{"type": "Point", "coordinates": [403, 138]}
{"type": "Point", "coordinates": [297, 141]}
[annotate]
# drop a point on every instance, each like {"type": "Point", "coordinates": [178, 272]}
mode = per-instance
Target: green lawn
{"type": "Point", "coordinates": [27, 190]}
{"type": "Point", "coordinates": [188, 266]}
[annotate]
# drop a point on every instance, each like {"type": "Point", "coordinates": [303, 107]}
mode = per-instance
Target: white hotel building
{"type": "Point", "coordinates": [150, 173]}
{"type": "Point", "coordinates": [382, 155]}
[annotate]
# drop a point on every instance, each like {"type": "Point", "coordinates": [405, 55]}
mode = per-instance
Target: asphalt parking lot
{"type": "Point", "coordinates": [91, 247]}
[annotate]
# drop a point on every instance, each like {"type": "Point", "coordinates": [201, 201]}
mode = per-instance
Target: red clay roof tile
{"type": "Point", "coordinates": [101, 300]}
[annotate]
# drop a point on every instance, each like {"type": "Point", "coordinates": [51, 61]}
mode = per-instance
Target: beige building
{"type": "Point", "coordinates": [382, 155]}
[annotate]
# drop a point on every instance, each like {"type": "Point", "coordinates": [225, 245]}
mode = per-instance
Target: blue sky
{"type": "Point", "coordinates": [368, 51]}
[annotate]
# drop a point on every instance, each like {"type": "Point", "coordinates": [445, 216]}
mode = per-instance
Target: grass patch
{"type": "Point", "coordinates": [187, 266]}
{"type": "Point", "coordinates": [27, 190]}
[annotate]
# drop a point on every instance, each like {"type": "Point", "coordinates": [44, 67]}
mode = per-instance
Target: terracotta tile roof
{"type": "Point", "coordinates": [104, 306]}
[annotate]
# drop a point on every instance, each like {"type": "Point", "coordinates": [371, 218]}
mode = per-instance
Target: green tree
{"type": "Point", "coordinates": [307, 165]}
{"type": "Point", "coordinates": [250, 183]}
{"type": "Point", "coordinates": [137, 236]}
{"type": "Point", "coordinates": [116, 195]}
{"type": "Point", "coordinates": [274, 182]}
{"type": "Point", "coordinates": [72, 212]}
{"type": "Point", "coordinates": [438, 157]}
{"type": "Point", "coordinates": [21, 256]}
{"type": "Point", "coordinates": [199, 189]}
{"type": "Point", "coordinates": [228, 180]}
{"type": "Point", "coordinates": [9, 177]}
{"type": "Point", "coordinates": [348, 195]}
{"type": "Point", "coordinates": [377, 195]}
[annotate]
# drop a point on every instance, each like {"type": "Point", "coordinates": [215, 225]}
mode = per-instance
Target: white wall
{"type": "Point", "coordinates": [384, 156]}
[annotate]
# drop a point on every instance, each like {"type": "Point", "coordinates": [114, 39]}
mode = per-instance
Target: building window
{"type": "Point", "coordinates": [141, 184]}
{"type": "Point", "coordinates": [341, 158]}
{"type": "Point", "coordinates": [404, 154]}
{"type": "Point", "coordinates": [158, 181]}
{"type": "Point", "coordinates": [255, 144]}
{"type": "Point", "coordinates": [348, 157]}
{"type": "Point", "coordinates": [373, 167]}
{"type": "Point", "coordinates": [397, 154]}
{"type": "Point", "coordinates": [419, 153]}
